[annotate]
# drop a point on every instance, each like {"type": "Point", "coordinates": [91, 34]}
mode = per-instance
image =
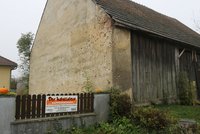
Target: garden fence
{"type": "Point", "coordinates": [33, 106]}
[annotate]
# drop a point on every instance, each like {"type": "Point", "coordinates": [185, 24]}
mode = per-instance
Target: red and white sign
{"type": "Point", "coordinates": [59, 104]}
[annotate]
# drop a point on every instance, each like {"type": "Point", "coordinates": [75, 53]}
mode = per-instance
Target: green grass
{"type": "Point", "coordinates": [182, 112]}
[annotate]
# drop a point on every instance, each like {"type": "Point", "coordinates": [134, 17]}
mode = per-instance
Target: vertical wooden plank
{"type": "Point", "coordinates": [138, 70]}
{"type": "Point", "coordinates": [148, 69]}
{"type": "Point", "coordinates": [164, 71]}
{"type": "Point", "coordinates": [145, 71]}
{"type": "Point", "coordinates": [151, 69]}
{"type": "Point", "coordinates": [88, 102]}
{"type": "Point", "coordinates": [134, 67]}
{"type": "Point", "coordinates": [159, 70]}
{"type": "Point", "coordinates": [92, 103]}
{"type": "Point", "coordinates": [43, 104]}
{"type": "Point", "coordinates": [177, 68]}
{"type": "Point", "coordinates": [142, 69]}
{"type": "Point", "coordinates": [172, 73]}
{"type": "Point", "coordinates": [28, 106]}
{"type": "Point", "coordinates": [23, 108]}
{"type": "Point", "coordinates": [33, 106]}
{"type": "Point", "coordinates": [153, 74]}
{"type": "Point", "coordinates": [81, 103]}
{"type": "Point", "coordinates": [18, 107]}
{"type": "Point", "coordinates": [170, 92]}
{"type": "Point", "coordinates": [38, 106]}
{"type": "Point", "coordinates": [85, 103]}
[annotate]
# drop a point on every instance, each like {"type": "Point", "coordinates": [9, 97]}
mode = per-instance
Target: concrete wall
{"type": "Point", "coordinates": [45, 125]}
{"type": "Point", "coordinates": [7, 113]}
{"type": "Point", "coordinates": [101, 106]}
{"type": "Point", "coordinates": [5, 76]}
{"type": "Point", "coordinates": [74, 37]}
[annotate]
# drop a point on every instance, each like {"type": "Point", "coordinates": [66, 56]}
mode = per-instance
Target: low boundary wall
{"type": "Point", "coordinates": [101, 106]}
{"type": "Point", "coordinates": [45, 125]}
{"type": "Point", "coordinates": [48, 124]}
{"type": "Point", "coordinates": [7, 113]}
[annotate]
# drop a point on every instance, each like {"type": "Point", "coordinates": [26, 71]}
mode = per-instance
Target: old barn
{"type": "Point", "coordinates": [118, 43]}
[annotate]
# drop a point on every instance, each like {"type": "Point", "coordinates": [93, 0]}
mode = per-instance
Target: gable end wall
{"type": "Point", "coordinates": [74, 38]}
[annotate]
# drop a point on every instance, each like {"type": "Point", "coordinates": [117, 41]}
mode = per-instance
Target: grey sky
{"type": "Point", "coordinates": [16, 17]}
{"type": "Point", "coordinates": [22, 16]}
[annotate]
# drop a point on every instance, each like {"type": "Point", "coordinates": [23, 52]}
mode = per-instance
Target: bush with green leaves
{"type": "Point", "coordinates": [120, 104]}
{"type": "Point", "coordinates": [9, 94]}
{"type": "Point", "coordinates": [154, 120]}
{"type": "Point", "coordinates": [118, 126]}
{"type": "Point", "coordinates": [88, 85]}
{"type": "Point", "coordinates": [186, 90]}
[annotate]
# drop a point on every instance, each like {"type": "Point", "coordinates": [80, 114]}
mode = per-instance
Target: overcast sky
{"type": "Point", "coordinates": [22, 16]}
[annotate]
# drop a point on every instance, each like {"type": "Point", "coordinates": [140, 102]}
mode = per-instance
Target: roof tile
{"type": "Point", "coordinates": [7, 62]}
{"type": "Point", "coordinates": [140, 17]}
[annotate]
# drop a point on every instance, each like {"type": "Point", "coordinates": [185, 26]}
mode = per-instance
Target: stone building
{"type": "Point", "coordinates": [117, 43]}
{"type": "Point", "coordinates": [6, 66]}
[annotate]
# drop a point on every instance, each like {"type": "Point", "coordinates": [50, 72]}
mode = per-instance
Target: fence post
{"type": "Point", "coordinates": [28, 106]}
{"type": "Point", "coordinates": [33, 106]}
{"type": "Point", "coordinates": [43, 104]}
{"type": "Point", "coordinates": [81, 103]}
{"type": "Point", "coordinates": [38, 105]}
{"type": "Point", "coordinates": [23, 108]}
{"type": "Point", "coordinates": [92, 102]}
{"type": "Point", "coordinates": [18, 106]}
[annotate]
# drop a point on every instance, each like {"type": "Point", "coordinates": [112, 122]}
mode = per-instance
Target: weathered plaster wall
{"type": "Point", "coordinates": [122, 72]}
{"type": "Point", "coordinates": [5, 77]}
{"type": "Point", "coordinates": [74, 37]}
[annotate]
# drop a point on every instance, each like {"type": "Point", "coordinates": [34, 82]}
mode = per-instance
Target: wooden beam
{"type": "Point", "coordinates": [181, 53]}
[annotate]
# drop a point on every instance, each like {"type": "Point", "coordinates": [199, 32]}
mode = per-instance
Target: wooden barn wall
{"type": "Point", "coordinates": [153, 68]}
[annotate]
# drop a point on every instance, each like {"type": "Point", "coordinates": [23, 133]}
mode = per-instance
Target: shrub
{"type": "Point", "coordinates": [88, 85]}
{"type": "Point", "coordinates": [8, 94]}
{"type": "Point", "coordinates": [120, 104]}
{"type": "Point", "coordinates": [118, 126]}
{"type": "Point", "coordinates": [153, 119]}
{"type": "Point", "coordinates": [186, 89]}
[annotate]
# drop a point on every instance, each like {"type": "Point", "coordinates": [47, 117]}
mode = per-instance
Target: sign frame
{"type": "Point", "coordinates": [61, 104]}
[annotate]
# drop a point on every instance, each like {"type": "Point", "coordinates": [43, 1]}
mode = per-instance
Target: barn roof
{"type": "Point", "coordinates": [7, 62]}
{"type": "Point", "coordinates": [139, 17]}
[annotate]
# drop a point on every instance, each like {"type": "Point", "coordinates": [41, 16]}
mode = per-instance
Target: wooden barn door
{"type": "Point", "coordinates": [153, 69]}
{"type": "Point", "coordinates": [190, 63]}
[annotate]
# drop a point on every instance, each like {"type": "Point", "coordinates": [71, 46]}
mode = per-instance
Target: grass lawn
{"type": "Point", "coordinates": [179, 111]}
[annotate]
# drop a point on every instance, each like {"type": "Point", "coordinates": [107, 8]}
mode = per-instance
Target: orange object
{"type": "Point", "coordinates": [4, 90]}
